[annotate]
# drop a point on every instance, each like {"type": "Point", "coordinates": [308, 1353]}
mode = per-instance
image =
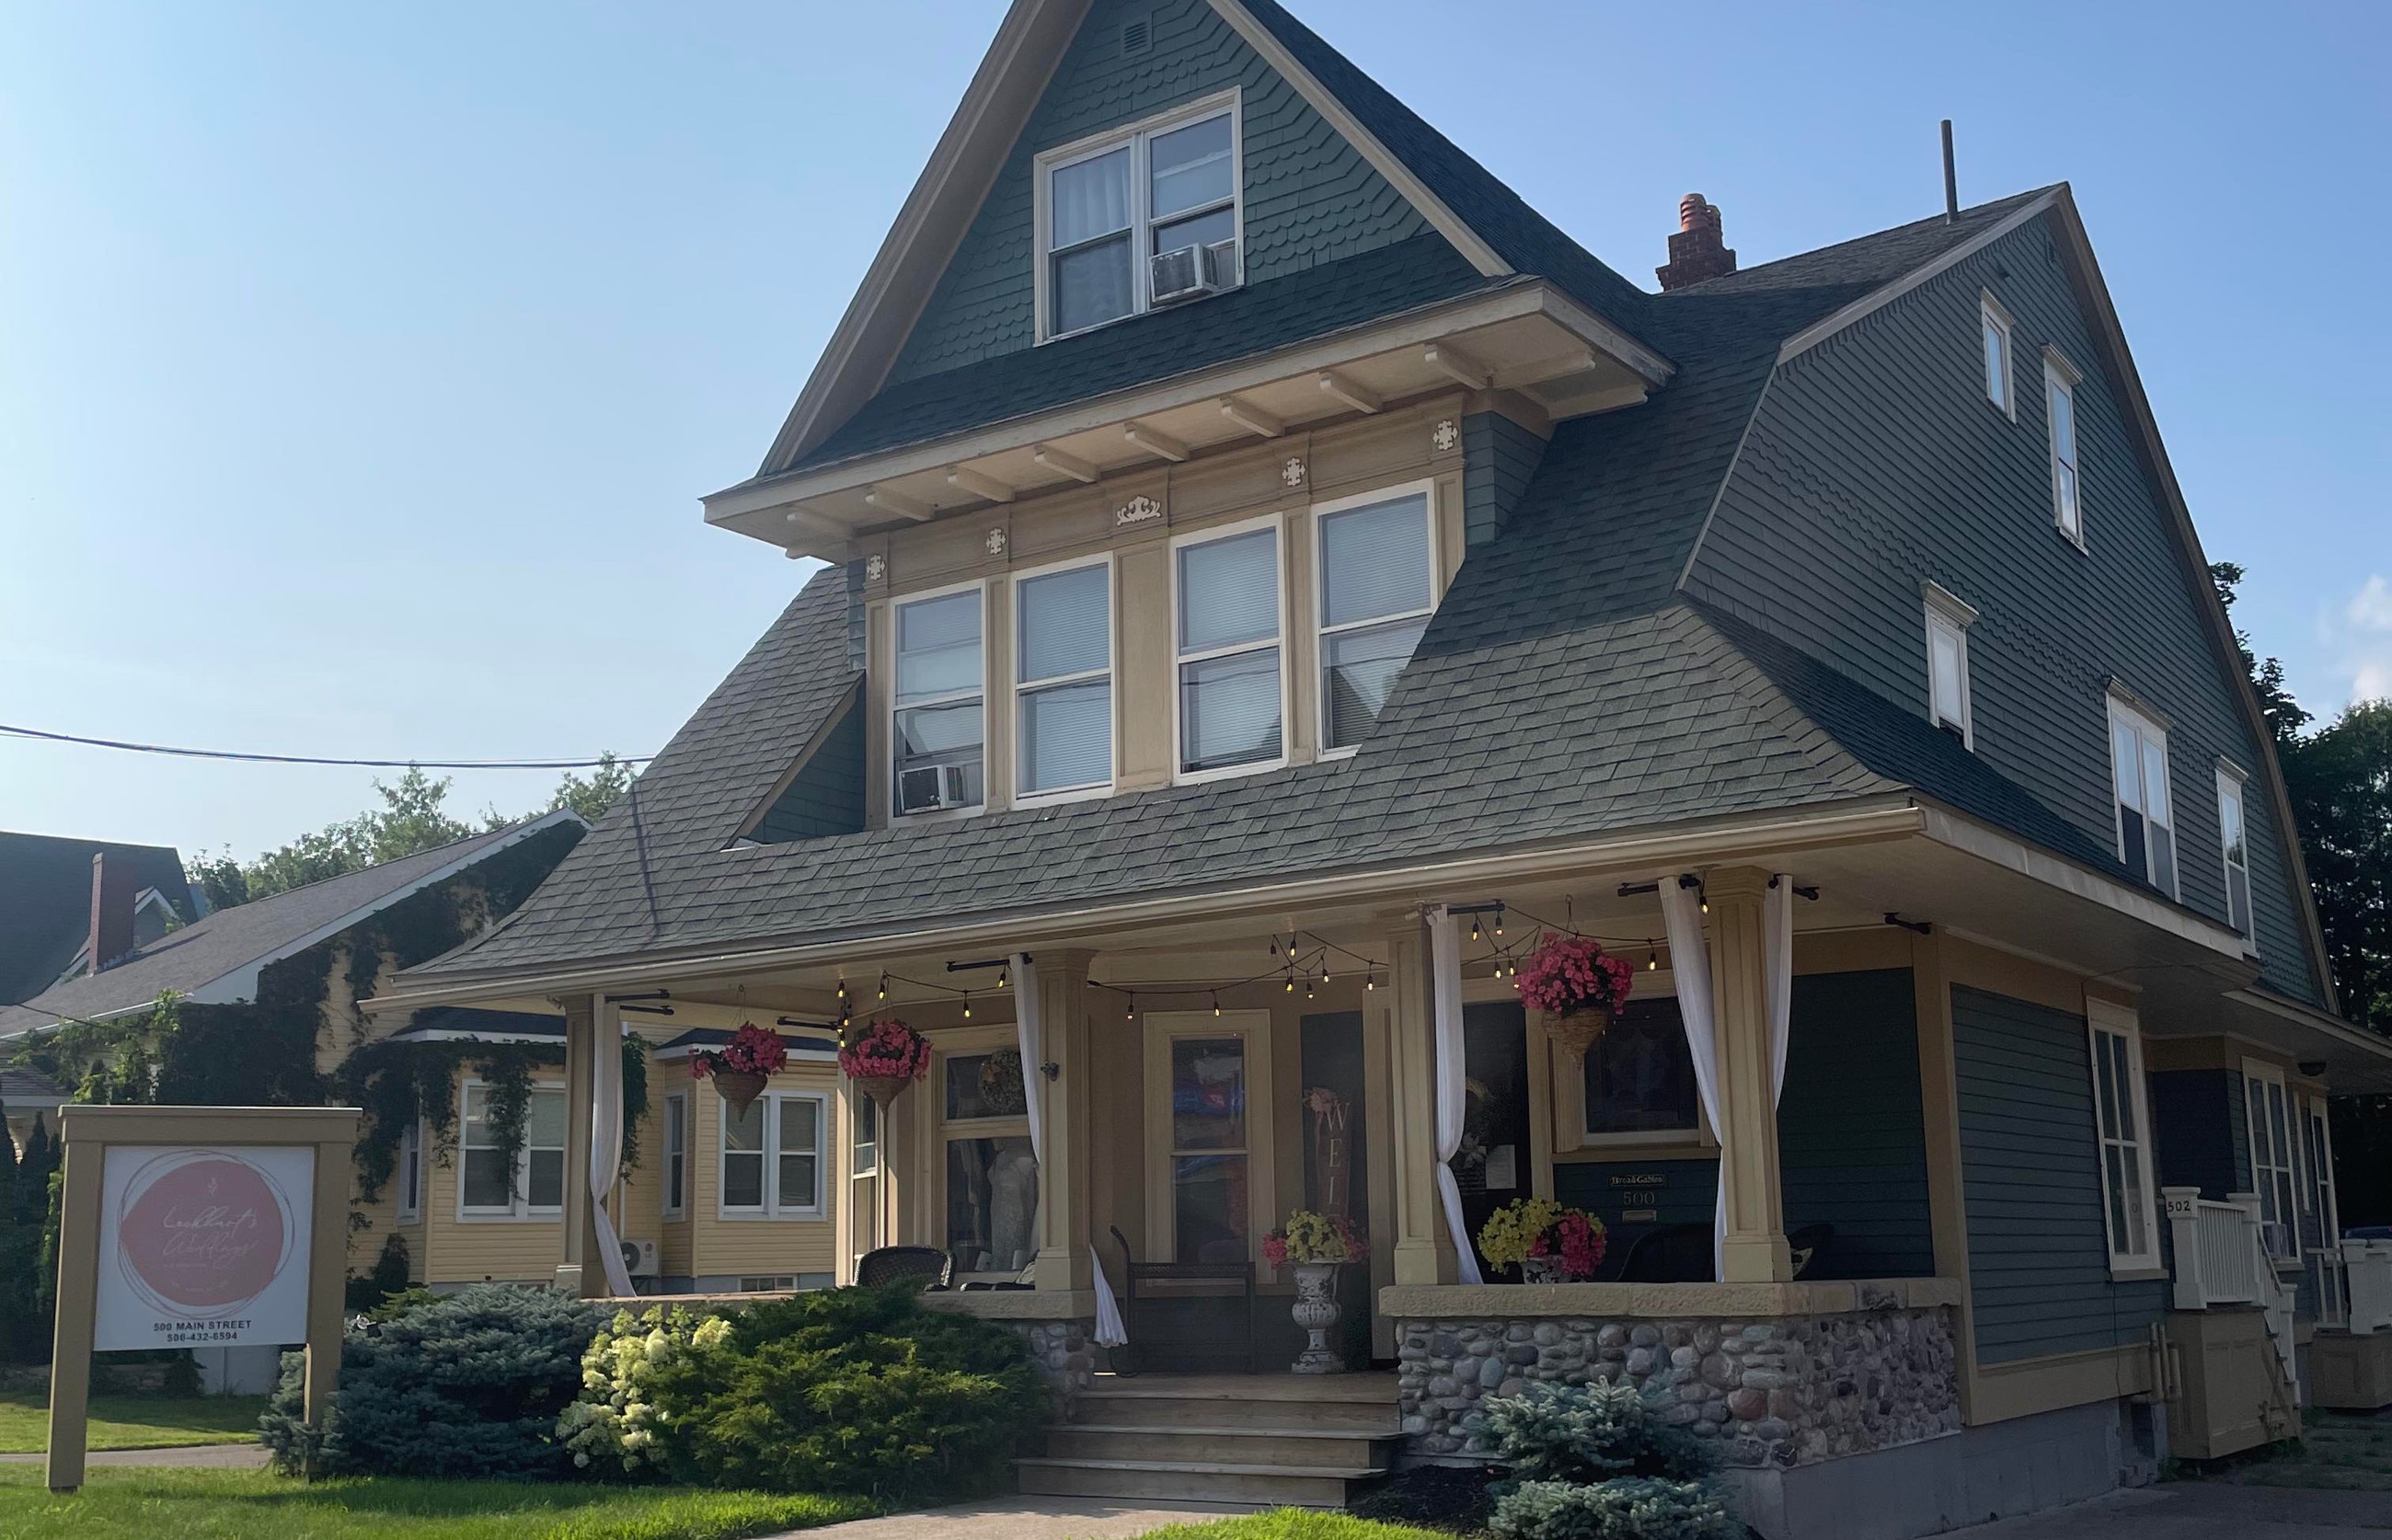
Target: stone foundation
{"type": "Point", "coordinates": [1065, 1352]}
{"type": "Point", "coordinates": [1777, 1390]}
{"type": "Point", "coordinates": [1060, 1325]}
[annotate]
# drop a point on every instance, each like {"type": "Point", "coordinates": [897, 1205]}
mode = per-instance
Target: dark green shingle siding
{"type": "Point", "coordinates": [1851, 1147]}
{"type": "Point", "coordinates": [826, 797]}
{"type": "Point", "coordinates": [2038, 1253]}
{"type": "Point", "coordinates": [1309, 196]}
{"type": "Point", "coordinates": [1500, 457]}
{"type": "Point", "coordinates": [1876, 463]}
{"type": "Point", "coordinates": [1686, 1193]}
{"type": "Point", "coordinates": [2197, 1131]}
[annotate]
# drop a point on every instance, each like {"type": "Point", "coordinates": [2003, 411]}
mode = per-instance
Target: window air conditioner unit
{"type": "Point", "coordinates": [642, 1259]}
{"type": "Point", "coordinates": [928, 788]}
{"type": "Point", "coordinates": [1192, 272]}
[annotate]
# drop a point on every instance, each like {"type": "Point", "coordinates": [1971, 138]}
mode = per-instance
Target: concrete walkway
{"type": "Point", "coordinates": [1026, 1518]}
{"type": "Point", "coordinates": [214, 1457]}
{"type": "Point", "coordinates": [2205, 1510]}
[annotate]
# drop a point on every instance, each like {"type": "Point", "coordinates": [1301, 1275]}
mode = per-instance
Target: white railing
{"type": "Point", "coordinates": [2367, 1267]}
{"type": "Point", "coordinates": [2331, 1278]}
{"type": "Point", "coordinates": [2219, 1257]}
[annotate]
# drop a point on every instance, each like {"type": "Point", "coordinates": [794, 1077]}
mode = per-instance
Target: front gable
{"type": "Point", "coordinates": [1308, 195]}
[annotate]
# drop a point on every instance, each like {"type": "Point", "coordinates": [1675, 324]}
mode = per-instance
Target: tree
{"type": "Point", "coordinates": [590, 796]}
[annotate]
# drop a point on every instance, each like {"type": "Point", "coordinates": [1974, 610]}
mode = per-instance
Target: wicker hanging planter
{"type": "Point", "coordinates": [883, 1089]}
{"type": "Point", "coordinates": [738, 1089]}
{"type": "Point", "coordinates": [1575, 1031]}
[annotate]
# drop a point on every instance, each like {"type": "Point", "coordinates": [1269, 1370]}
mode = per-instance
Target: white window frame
{"type": "Point", "coordinates": [1994, 318]}
{"type": "Point", "coordinates": [2152, 727]}
{"type": "Point", "coordinates": [773, 1207]}
{"type": "Point", "coordinates": [674, 1174]}
{"type": "Point", "coordinates": [1277, 523]}
{"type": "Point", "coordinates": [2234, 786]}
{"type": "Point", "coordinates": [2278, 1184]}
{"type": "Point", "coordinates": [1018, 692]}
{"type": "Point", "coordinates": [2317, 1127]}
{"type": "Point", "coordinates": [1318, 514]}
{"type": "Point", "coordinates": [520, 1207]}
{"type": "Point", "coordinates": [410, 1173]}
{"type": "Point", "coordinates": [1949, 614]}
{"type": "Point", "coordinates": [889, 725]}
{"type": "Point", "coordinates": [2061, 378]}
{"type": "Point", "coordinates": [2103, 1017]}
{"type": "Point", "coordinates": [1136, 136]}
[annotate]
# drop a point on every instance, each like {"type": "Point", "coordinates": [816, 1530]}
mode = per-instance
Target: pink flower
{"type": "Point", "coordinates": [1570, 973]}
{"type": "Point", "coordinates": [1275, 1250]}
{"type": "Point", "coordinates": [887, 1049]}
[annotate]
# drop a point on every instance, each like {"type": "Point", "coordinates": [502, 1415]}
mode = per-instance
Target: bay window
{"type": "Point", "coordinates": [2121, 1123]}
{"type": "Point", "coordinates": [1108, 207]}
{"type": "Point", "coordinates": [1377, 590]}
{"type": "Point", "coordinates": [1063, 698]}
{"type": "Point", "coordinates": [2146, 815]}
{"type": "Point", "coordinates": [772, 1156]}
{"type": "Point", "coordinates": [938, 725]}
{"type": "Point", "coordinates": [489, 1185]}
{"type": "Point", "coordinates": [1231, 698]}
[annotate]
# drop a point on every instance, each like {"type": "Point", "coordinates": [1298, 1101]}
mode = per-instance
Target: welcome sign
{"type": "Point", "coordinates": [204, 1247]}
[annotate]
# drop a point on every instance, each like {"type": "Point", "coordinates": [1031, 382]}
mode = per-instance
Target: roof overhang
{"type": "Point", "coordinates": [1525, 336]}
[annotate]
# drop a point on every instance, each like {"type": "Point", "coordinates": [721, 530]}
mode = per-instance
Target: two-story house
{"type": "Point", "coordinates": [1274, 574]}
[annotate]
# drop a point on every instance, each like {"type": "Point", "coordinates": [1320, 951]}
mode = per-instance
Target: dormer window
{"type": "Point", "coordinates": [1138, 219]}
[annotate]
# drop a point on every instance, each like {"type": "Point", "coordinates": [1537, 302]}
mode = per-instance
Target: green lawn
{"type": "Point", "coordinates": [132, 1421]}
{"type": "Point", "coordinates": [1289, 1523]}
{"type": "Point", "coordinates": [131, 1503]}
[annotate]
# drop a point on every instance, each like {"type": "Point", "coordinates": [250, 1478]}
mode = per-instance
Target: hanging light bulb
{"type": "Point", "coordinates": [1291, 981]}
{"type": "Point", "coordinates": [1216, 1002]}
{"type": "Point", "coordinates": [967, 1005]}
{"type": "Point", "coordinates": [1129, 1008]}
{"type": "Point", "coordinates": [1652, 957]}
{"type": "Point", "coordinates": [1004, 977]}
{"type": "Point", "coordinates": [1308, 988]}
{"type": "Point", "coordinates": [1369, 982]}
{"type": "Point", "coordinates": [1473, 927]}
{"type": "Point", "coordinates": [1499, 920]}
{"type": "Point", "coordinates": [842, 986]}
{"type": "Point", "coordinates": [1274, 946]}
{"type": "Point", "coordinates": [884, 985]}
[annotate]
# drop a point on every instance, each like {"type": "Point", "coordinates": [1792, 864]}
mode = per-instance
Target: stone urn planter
{"type": "Point", "coordinates": [1317, 1311]}
{"type": "Point", "coordinates": [1541, 1270]}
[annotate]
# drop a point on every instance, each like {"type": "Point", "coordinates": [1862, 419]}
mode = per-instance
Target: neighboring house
{"type": "Point", "coordinates": [1274, 572]}
{"type": "Point", "coordinates": [50, 898]}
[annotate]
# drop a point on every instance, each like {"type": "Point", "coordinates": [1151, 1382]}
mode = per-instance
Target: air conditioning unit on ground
{"type": "Point", "coordinates": [1192, 272]}
{"type": "Point", "coordinates": [928, 788]}
{"type": "Point", "coordinates": [642, 1259]}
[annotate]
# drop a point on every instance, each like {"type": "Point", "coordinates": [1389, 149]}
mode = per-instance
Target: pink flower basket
{"type": "Point", "coordinates": [1577, 985]}
{"type": "Point", "coordinates": [885, 1058]}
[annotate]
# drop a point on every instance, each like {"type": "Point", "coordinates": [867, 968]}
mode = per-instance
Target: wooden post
{"type": "Point", "coordinates": [2182, 1205]}
{"type": "Point", "coordinates": [1065, 1260]}
{"type": "Point", "coordinates": [1754, 1249]}
{"type": "Point", "coordinates": [1423, 1251]}
{"type": "Point", "coordinates": [579, 1270]}
{"type": "Point", "coordinates": [77, 1285]}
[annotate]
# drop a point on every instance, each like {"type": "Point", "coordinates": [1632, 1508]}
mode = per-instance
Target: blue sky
{"type": "Point", "coordinates": [360, 366]}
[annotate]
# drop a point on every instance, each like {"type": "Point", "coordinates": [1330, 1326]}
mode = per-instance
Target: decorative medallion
{"type": "Point", "coordinates": [876, 567]}
{"type": "Point", "coordinates": [995, 543]}
{"type": "Point", "coordinates": [1138, 511]}
{"type": "Point", "coordinates": [1445, 436]}
{"type": "Point", "coordinates": [1292, 471]}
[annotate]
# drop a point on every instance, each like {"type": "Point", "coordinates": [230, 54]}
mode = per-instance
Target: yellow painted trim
{"type": "Point", "coordinates": [1997, 1393]}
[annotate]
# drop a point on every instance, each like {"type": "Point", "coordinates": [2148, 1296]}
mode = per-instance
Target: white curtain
{"type": "Point", "coordinates": [1690, 967]}
{"type": "Point", "coordinates": [1452, 1090]}
{"type": "Point", "coordinates": [606, 1141]}
{"type": "Point", "coordinates": [1027, 1032]}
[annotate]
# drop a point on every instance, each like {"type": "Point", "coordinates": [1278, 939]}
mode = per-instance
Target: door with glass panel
{"type": "Point", "coordinates": [988, 1171]}
{"type": "Point", "coordinates": [1209, 1175]}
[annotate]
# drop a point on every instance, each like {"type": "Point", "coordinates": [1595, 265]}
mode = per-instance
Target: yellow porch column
{"type": "Point", "coordinates": [1423, 1250]}
{"type": "Point", "coordinates": [1064, 1213]}
{"type": "Point", "coordinates": [579, 1270]}
{"type": "Point", "coordinates": [1754, 1250]}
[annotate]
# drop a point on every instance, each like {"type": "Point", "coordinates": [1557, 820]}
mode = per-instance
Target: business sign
{"type": "Point", "coordinates": [203, 1247]}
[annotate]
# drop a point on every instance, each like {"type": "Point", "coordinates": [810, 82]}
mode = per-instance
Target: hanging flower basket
{"type": "Point", "coordinates": [742, 1067]}
{"type": "Point", "coordinates": [885, 1058]}
{"type": "Point", "coordinates": [1578, 985]}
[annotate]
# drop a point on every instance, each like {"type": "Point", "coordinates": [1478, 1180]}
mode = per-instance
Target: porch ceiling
{"type": "Point", "coordinates": [1529, 339]}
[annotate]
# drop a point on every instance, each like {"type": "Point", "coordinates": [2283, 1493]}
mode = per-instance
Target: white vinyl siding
{"type": "Point", "coordinates": [1107, 206]}
{"type": "Point", "coordinates": [2067, 487]}
{"type": "Point", "coordinates": [772, 1158]}
{"type": "Point", "coordinates": [1230, 691]}
{"type": "Point", "coordinates": [2146, 813]}
{"type": "Point", "coordinates": [1063, 689]}
{"type": "Point", "coordinates": [2273, 1140]}
{"type": "Point", "coordinates": [937, 717]}
{"type": "Point", "coordinates": [534, 1187]}
{"type": "Point", "coordinates": [1378, 577]}
{"type": "Point", "coordinates": [2124, 1124]}
{"type": "Point", "coordinates": [2234, 847]}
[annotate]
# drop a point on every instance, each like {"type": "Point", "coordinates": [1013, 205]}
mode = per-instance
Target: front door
{"type": "Point", "coordinates": [1209, 1170]}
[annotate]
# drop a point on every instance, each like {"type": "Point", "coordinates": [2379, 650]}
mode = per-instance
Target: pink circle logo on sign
{"type": "Point", "coordinates": [201, 1233]}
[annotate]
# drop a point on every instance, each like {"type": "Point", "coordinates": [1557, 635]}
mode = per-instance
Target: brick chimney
{"type": "Point", "coordinates": [113, 890]}
{"type": "Point", "coordinates": [1695, 251]}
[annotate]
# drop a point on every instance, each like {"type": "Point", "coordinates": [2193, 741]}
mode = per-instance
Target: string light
{"type": "Point", "coordinates": [1499, 919]}
{"type": "Point", "coordinates": [1308, 988]}
{"type": "Point", "coordinates": [1216, 1002]}
{"type": "Point", "coordinates": [884, 985]}
{"type": "Point", "coordinates": [1652, 957]}
{"type": "Point", "coordinates": [1004, 977]}
{"type": "Point", "coordinates": [1129, 1009]}
{"type": "Point", "coordinates": [1369, 982]}
{"type": "Point", "coordinates": [1473, 927]}
{"type": "Point", "coordinates": [967, 1005]}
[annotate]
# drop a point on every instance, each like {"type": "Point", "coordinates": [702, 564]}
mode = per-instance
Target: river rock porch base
{"type": "Point", "coordinates": [1772, 1386]}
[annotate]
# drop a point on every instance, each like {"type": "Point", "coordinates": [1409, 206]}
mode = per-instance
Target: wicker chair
{"type": "Point", "coordinates": [890, 1264]}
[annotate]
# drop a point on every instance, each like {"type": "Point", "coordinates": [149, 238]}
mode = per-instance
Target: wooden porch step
{"type": "Point", "coordinates": [1357, 1402]}
{"type": "Point", "coordinates": [1245, 1445]}
{"type": "Point", "coordinates": [1186, 1480]}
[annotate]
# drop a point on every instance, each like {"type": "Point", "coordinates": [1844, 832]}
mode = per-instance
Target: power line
{"type": "Point", "coordinates": [39, 735]}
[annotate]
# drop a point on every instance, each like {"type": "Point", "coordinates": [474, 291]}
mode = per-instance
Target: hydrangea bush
{"type": "Point", "coordinates": [615, 1423]}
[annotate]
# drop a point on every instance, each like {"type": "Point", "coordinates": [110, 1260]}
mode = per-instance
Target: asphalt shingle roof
{"type": "Point", "coordinates": [46, 902]}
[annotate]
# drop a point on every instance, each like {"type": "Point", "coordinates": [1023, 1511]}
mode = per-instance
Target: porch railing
{"type": "Point", "coordinates": [2329, 1277]}
{"type": "Point", "coordinates": [2221, 1259]}
{"type": "Point", "coordinates": [2367, 1269]}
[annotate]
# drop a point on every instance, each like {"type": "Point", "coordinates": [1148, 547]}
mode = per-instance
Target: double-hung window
{"type": "Point", "coordinates": [2235, 843]}
{"type": "Point", "coordinates": [1231, 701]}
{"type": "Point", "coordinates": [2320, 1144]}
{"type": "Point", "coordinates": [410, 1173]}
{"type": "Point", "coordinates": [2272, 1137]}
{"type": "Point", "coordinates": [1377, 588]}
{"type": "Point", "coordinates": [532, 1186]}
{"type": "Point", "coordinates": [676, 1152]}
{"type": "Point", "coordinates": [2122, 1122]}
{"type": "Point", "coordinates": [772, 1156]}
{"type": "Point", "coordinates": [1948, 620]}
{"type": "Point", "coordinates": [1996, 322]}
{"type": "Point", "coordinates": [2146, 819]}
{"type": "Point", "coordinates": [1111, 206]}
{"type": "Point", "coordinates": [1063, 698]}
{"type": "Point", "coordinates": [2059, 401]}
{"type": "Point", "coordinates": [938, 725]}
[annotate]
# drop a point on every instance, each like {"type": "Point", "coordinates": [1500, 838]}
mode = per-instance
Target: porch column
{"type": "Point", "coordinates": [1424, 1250]}
{"type": "Point", "coordinates": [1064, 1212]}
{"type": "Point", "coordinates": [1754, 1249]}
{"type": "Point", "coordinates": [579, 1270]}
